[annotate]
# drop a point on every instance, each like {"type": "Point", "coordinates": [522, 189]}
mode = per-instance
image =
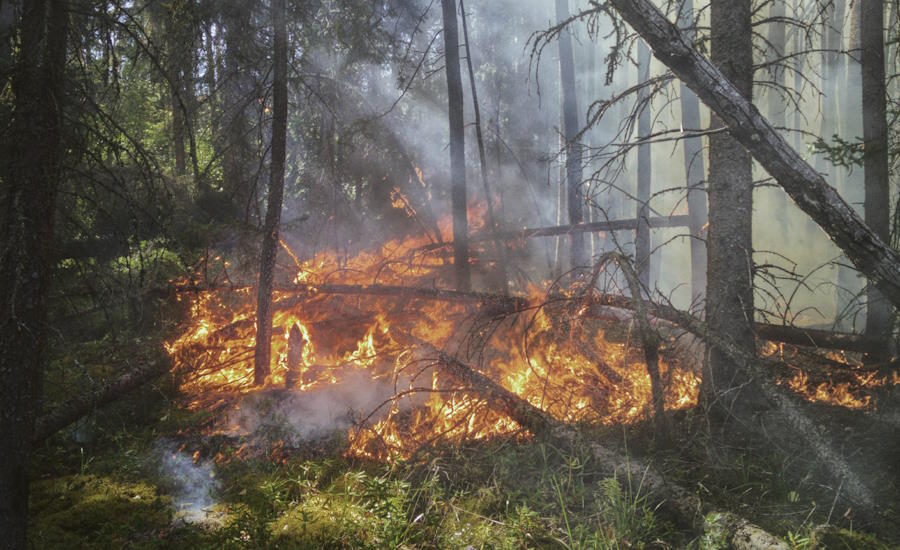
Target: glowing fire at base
{"type": "Point", "coordinates": [347, 335]}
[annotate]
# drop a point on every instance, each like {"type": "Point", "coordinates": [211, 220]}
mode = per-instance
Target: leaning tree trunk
{"type": "Point", "coordinates": [695, 171]}
{"type": "Point", "coordinates": [31, 181]}
{"type": "Point", "coordinates": [457, 147]}
{"type": "Point", "coordinates": [263, 353]}
{"type": "Point", "coordinates": [875, 137]}
{"type": "Point", "coordinates": [729, 286]}
{"type": "Point", "coordinates": [571, 128]}
{"type": "Point", "coordinates": [871, 255]}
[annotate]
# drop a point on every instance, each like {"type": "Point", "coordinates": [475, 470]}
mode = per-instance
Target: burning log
{"type": "Point", "coordinates": [524, 413]}
{"type": "Point", "coordinates": [819, 338]}
{"type": "Point", "coordinates": [296, 343]}
{"type": "Point", "coordinates": [682, 504]}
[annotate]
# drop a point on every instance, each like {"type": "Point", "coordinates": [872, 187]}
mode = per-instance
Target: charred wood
{"type": "Point", "coordinates": [683, 505]}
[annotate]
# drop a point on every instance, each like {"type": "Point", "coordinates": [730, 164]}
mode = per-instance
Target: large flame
{"type": "Point", "coordinates": [576, 369]}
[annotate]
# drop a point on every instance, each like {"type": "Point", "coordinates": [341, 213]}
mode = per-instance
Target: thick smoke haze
{"type": "Point", "coordinates": [803, 278]}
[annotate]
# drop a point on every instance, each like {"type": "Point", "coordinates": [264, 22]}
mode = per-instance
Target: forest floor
{"type": "Point", "coordinates": [142, 474]}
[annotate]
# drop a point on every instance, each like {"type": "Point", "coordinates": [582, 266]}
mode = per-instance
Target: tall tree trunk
{"type": "Point", "coordinates": [263, 353]}
{"type": "Point", "coordinates": [236, 89]}
{"type": "Point", "coordinates": [729, 299]}
{"type": "Point", "coordinates": [797, 48]}
{"type": "Point", "coordinates": [644, 173]}
{"type": "Point", "coordinates": [694, 170]}
{"type": "Point", "coordinates": [845, 97]}
{"type": "Point", "coordinates": [570, 131]}
{"type": "Point", "coordinates": [875, 138]}
{"type": "Point", "coordinates": [209, 77]}
{"type": "Point", "coordinates": [26, 238]}
{"type": "Point", "coordinates": [869, 253]}
{"type": "Point", "coordinates": [777, 105]}
{"type": "Point", "coordinates": [175, 46]}
{"type": "Point", "coordinates": [457, 148]}
{"type": "Point", "coordinates": [479, 136]}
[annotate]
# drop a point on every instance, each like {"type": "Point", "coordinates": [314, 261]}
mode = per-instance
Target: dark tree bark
{"type": "Point", "coordinates": [777, 106]}
{"type": "Point", "coordinates": [644, 173]}
{"type": "Point", "coordinates": [570, 132]}
{"type": "Point", "coordinates": [237, 90]}
{"type": "Point", "coordinates": [457, 147]}
{"type": "Point", "coordinates": [871, 255]}
{"type": "Point", "coordinates": [31, 181]}
{"type": "Point", "coordinates": [875, 137]}
{"type": "Point", "coordinates": [729, 275]}
{"type": "Point", "coordinates": [263, 353]}
{"type": "Point", "coordinates": [175, 45]}
{"type": "Point", "coordinates": [479, 136]}
{"type": "Point", "coordinates": [694, 170]}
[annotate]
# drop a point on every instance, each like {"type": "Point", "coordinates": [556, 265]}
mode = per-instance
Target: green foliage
{"type": "Point", "coordinates": [839, 151]}
{"type": "Point", "coordinates": [87, 511]}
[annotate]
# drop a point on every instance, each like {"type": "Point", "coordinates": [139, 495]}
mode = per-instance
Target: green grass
{"type": "Point", "coordinates": [108, 491]}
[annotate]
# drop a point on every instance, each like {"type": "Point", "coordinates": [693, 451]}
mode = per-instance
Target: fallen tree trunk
{"type": "Point", "coordinates": [683, 505]}
{"type": "Point", "coordinates": [302, 292]}
{"type": "Point", "coordinates": [817, 338]}
{"type": "Point", "coordinates": [799, 423]}
{"type": "Point", "coordinates": [592, 227]}
{"type": "Point", "coordinates": [799, 336]}
{"type": "Point", "coordinates": [561, 230]}
{"type": "Point", "coordinates": [78, 407]}
{"type": "Point", "coordinates": [872, 256]}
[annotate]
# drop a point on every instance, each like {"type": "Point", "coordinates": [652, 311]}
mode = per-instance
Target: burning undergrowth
{"type": "Point", "coordinates": [347, 332]}
{"type": "Point", "coordinates": [354, 352]}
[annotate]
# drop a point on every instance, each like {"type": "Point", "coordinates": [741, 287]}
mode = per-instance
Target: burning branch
{"type": "Point", "coordinates": [682, 504]}
{"type": "Point", "coordinates": [800, 424]}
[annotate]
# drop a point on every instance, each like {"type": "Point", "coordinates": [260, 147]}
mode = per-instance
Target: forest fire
{"type": "Point", "coordinates": [359, 318]}
{"type": "Point", "coordinates": [574, 371]}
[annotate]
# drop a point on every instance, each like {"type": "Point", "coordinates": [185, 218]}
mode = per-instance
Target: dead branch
{"type": "Point", "coordinates": [78, 407]}
{"type": "Point", "coordinates": [798, 336]}
{"type": "Point", "coordinates": [684, 505]}
{"type": "Point", "coordinates": [561, 230]}
{"type": "Point", "coordinates": [649, 337]}
{"type": "Point", "coordinates": [798, 422]}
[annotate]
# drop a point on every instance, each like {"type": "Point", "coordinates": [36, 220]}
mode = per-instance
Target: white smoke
{"type": "Point", "coordinates": [193, 482]}
{"type": "Point", "coordinates": [297, 416]}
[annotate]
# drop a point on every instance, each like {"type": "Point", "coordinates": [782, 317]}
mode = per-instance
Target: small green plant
{"type": "Point", "coordinates": [626, 517]}
{"type": "Point", "coordinates": [83, 462]}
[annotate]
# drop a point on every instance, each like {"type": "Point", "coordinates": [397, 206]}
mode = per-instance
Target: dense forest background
{"type": "Point", "coordinates": [166, 160]}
